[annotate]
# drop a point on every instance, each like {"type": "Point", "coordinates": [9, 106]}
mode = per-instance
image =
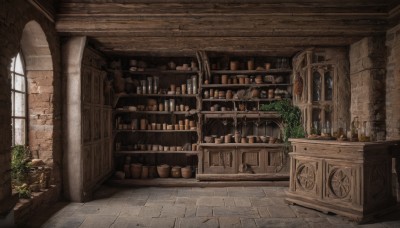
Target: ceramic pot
{"type": "Point", "coordinates": [224, 79]}
{"type": "Point", "coordinates": [145, 172]}
{"type": "Point", "coordinates": [234, 65]}
{"type": "Point", "coordinates": [136, 170]}
{"type": "Point", "coordinates": [186, 172]}
{"type": "Point", "coordinates": [176, 172]}
{"type": "Point", "coordinates": [163, 171]}
{"type": "Point", "coordinates": [237, 137]}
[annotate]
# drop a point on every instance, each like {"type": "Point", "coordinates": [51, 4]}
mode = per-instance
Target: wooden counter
{"type": "Point", "coordinates": [352, 179]}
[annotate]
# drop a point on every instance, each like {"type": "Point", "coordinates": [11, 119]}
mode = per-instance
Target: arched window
{"type": "Point", "coordinates": [18, 101]}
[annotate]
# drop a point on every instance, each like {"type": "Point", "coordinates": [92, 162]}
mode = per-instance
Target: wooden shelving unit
{"type": "Point", "coordinates": [265, 159]}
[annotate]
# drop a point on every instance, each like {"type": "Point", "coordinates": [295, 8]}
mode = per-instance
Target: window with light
{"type": "Point", "coordinates": [18, 101]}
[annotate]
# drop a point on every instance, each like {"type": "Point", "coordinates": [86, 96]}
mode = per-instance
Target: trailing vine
{"type": "Point", "coordinates": [291, 117]}
{"type": "Point", "coordinates": [19, 163]}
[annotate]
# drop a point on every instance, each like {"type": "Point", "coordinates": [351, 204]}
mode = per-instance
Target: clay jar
{"type": "Point", "coordinates": [228, 138]}
{"type": "Point", "coordinates": [270, 93]}
{"type": "Point", "coordinates": [237, 137]}
{"type": "Point", "coordinates": [251, 139]}
{"type": "Point", "coordinates": [234, 65]}
{"type": "Point", "coordinates": [224, 79]}
{"type": "Point", "coordinates": [145, 172]}
{"type": "Point", "coordinates": [250, 64]}
{"type": "Point", "coordinates": [176, 172]}
{"type": "Point", "coordinates": [163, 171]}
{"type": "Point", "coordinates": [136, 170]}
{"type": "Point", "coordinates": [186, 172]}
{"type": "Point", "coordinates": [229, 94]}
{"type": "Point", "coordinates": [243, 140]}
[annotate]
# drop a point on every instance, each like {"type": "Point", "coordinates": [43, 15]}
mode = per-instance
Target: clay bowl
{"type": "Point", "coordinates": [218, 140]}
{"type": "Point", "coordinates": [163, 171]}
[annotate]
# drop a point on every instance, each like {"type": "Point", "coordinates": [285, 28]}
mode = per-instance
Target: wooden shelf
{"type": "Point", "coordinates": [249, 114]}
{"type": "Point", "coordinates": [242, 85]}
{"type": "Point", "coordinates": [157, 95]}
{"type": "Point", "coordinates": [271, 71]}
{"type": "Point", "coordinates": [158, 112]}
{"type": "Point", "coordinates": [154, 152]}
{"type": "Point", "coordinates": [156, 131]}
{"type": "Point", "coordinates": [239, 100]}
{"type": "Point", "coordinates": [242, 145]}
{"type": "Point", "coordinates": [124, 95]}
{"type": "Point", "coordinates": [162, 72]}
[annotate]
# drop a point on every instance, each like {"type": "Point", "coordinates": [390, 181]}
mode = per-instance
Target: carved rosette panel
{"type": "Point", "coordinates": [306, 176]}
{"type": "Point", "coordinates": [339, 183]}
{"type": "Point", "coordinates": [377, 182]}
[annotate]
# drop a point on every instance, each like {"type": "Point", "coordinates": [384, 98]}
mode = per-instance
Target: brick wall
{"type": "Point", "coordinates": [14, 15]}
{"type": "Point", "coordinates": [393, 83]}
{"type": "Point", "coordinates": [367, 77]}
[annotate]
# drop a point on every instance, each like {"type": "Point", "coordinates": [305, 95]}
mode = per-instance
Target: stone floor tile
{"type": "Point", "coordinates": [162, 222]}
{"type": "Point", "coordinates": [72, 206]}
{"type": "Point", "coordinates": [87, 210]}
{"type": "Point", "coordinates": [261, 202]}
{"type": "Point", "coordinates": [150, 211]}
{"type": "Point", "coordinates": [242, 202]}
{"type": "Point", "coordinates": [115, 211]}
{"type": "Point", "coordinates": [135, 202]}
{"type": "Point", "coordinates": [191, 211]}
{"type": "Point", "coordinates": [229, 201]}
{"type": "Point", "coordinates": [281, 212]}
{"type": "Point", "coordinates": [123, 193]}
{"type": "Point", "coordinates": [197, 222]}
{"type": "Point", "coordinates": [139, 196]}
{"type": "Point", "coordinates": [131, 221]}
{"type": "Point", "coordinates": [98, 221]}
{"type": "Point", "coordinates": [264, 212]}
{"type": "Point", "coordinates": [204, 211]}
{"type": "Point", "coordinates": [64, 222]}
{"type": "Point", "coordinates": [130, 211]}
{"type": "Point", "coordinates": [304, 212]}
{"type": "Point", "coordinates": [118, 202]}
{"type": "Point", "coordinates": [338, 220]}
{"type": "Point", "coordinates": [186, 200]}
{"type": "Point", "coordinates": [99, 202]}
{"type": "Point", "coordinates": [184, 192]}
{"type": "Point", "coordinates": [248, 223]}
{"type": "Point", "coordinates": [276, 222]}
{"type": "Point", "coordinates": [242, 212]}
{"type": "Point", "coordinates": [228, 222]}
{"type": "Point", "coordinates": [210, 201]}
{"type": "Point", "coordinates": [254, 191]}
{"type": "Point", "coordinates": [202, 192]}
{"type": "Point", "coordinates": [220, 191]}
{"type": "Point", "coordinates": [173, 211]}
{"type": "Point", "coordinates": [160, 202]}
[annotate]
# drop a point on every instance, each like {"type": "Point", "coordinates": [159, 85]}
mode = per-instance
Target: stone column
{"type": "Point", "coordinates": [72, 52]}
{"type": "Point", "coordinates": [367, 77]}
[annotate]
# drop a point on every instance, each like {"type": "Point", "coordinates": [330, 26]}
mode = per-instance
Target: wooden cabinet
{"type": "Point", "coordinates": [352, 179]}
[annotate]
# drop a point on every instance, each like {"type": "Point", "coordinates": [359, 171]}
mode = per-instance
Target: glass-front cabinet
{"type": "Point", "coordinates": [321, 80]}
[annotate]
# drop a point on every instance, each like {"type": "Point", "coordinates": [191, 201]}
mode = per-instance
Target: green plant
{"type": "Point", "coordinates": [291, 117]}
{"type": "Point", "coordinates": [20, 156]}
{"type": "Point", "coordinates": [23, 191]}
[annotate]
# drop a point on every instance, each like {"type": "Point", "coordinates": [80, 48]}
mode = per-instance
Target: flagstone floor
{"type": "Point", "coordinates": [193, 207]}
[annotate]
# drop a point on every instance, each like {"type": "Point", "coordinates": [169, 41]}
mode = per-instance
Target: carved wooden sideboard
{"type": "Point", "coordinates": [352, 179]}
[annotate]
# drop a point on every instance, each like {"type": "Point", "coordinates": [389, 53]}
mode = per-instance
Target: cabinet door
{"type": "Point", "coordinates": [220, 160]}
{"type": "Point", "coordinates": [274, 160]}
{"type": "Point", "coordinates": [253, 159]}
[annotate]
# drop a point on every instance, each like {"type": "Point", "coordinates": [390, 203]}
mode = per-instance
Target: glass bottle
{"type": "Point", "coordinates": [144, 88]}
{"type": "Point", "coordinates": [150, 85]}
{"type": "Point", "coordinates": [189, 86]}
{"type": "Point", "coordinates": [194, 84]}
{"type": "Point", "coordinates": [156, 83]}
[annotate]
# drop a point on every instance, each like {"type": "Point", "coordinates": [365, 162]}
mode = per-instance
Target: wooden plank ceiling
{"type": "Point", "coordinates": [277, 27]}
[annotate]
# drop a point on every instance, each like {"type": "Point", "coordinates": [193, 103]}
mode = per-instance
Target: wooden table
{"type": "Point", "coordinates": [352, 179]}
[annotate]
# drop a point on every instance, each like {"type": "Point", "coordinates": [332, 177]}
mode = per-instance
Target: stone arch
{"type": "Point", "coordinates": [40, 91]}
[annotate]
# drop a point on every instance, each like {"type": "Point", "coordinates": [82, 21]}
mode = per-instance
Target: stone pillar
{"type": "Point", "coordinates": [72, 52]}
{"type": "Point", "coordinates": [393, 84]}
{"type": "Point", "coordinates": [367, 77]}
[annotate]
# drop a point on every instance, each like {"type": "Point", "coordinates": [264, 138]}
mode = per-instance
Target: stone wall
{"type": "Point", "coordinates": [14, 16]}
{"type": "Point", "coordinates": [393, 84]}
{"type": "Point", "coordinates": [367, 77]}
